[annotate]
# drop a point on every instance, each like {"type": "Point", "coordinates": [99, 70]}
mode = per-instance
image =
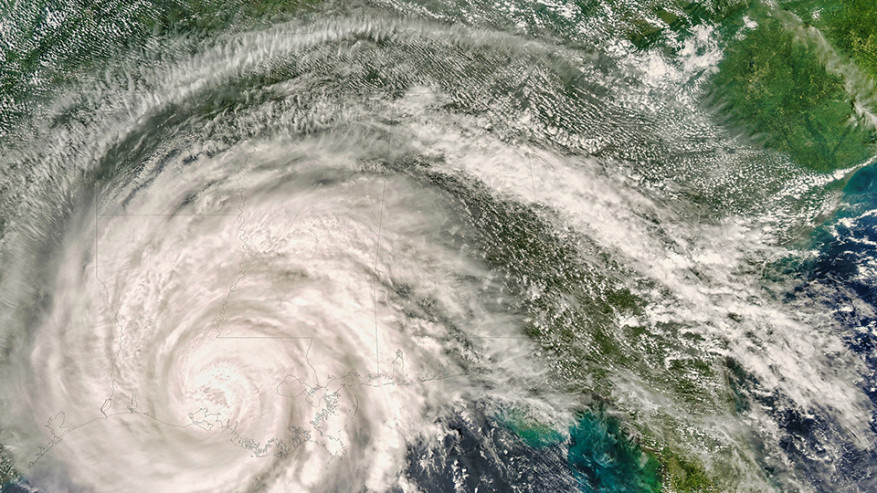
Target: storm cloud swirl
{"type": "Point", "coordinates": [315, 255]}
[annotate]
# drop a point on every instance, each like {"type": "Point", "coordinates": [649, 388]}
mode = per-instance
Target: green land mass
{"type": "Point", "coordinates": [652, 22]}
{"type": "Point", "coordinates": [850, 25]}
{"type": "Point", "coordinates": [774, 85]}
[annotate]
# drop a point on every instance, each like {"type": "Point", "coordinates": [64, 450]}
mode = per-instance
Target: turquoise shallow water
{"type": "Point", "coordinates": [604, 460]}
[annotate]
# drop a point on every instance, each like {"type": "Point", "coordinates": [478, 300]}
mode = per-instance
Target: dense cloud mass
{"type": "Point", "coordinates": [392, 246]}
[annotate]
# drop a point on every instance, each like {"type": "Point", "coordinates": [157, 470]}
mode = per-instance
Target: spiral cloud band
{"type": "Point", "coordinates": [284, 308]}
{"type": "Point", "coordinates": [371, 251]}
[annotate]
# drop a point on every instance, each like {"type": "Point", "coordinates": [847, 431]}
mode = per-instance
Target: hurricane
{"type": "Point", "coordinates": [437, 246]}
